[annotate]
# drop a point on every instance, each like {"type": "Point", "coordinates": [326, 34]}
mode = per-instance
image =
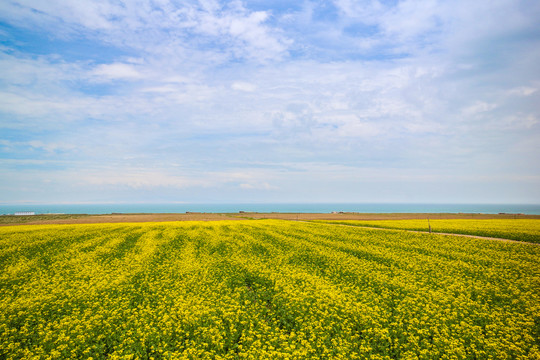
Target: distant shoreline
{"type": "Point", "coordinates": [6, 220]}
{"type": "Point", "coordinates": [308, 208]}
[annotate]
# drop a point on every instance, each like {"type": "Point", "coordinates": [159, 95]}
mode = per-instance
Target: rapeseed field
{"type": "Point", "coordinates": [514, 229]}
{"type": "Point", "coordinates": [263, 289]}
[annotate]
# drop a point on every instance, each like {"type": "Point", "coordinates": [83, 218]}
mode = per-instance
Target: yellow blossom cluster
{"type": "Point", "coordinates": [514, 229]}
{"type": "Point", "coordinates": [263, 289]}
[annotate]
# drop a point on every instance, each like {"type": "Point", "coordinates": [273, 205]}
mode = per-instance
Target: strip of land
{"type": "Point", "coordinates": [124, 218]}
{"type": "Point", "coordinates": [109, 218]}
{"type": "Point", "coordinates": [382, 216]}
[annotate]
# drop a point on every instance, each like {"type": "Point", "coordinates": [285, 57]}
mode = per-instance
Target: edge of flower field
{"type": "Point", "coordinates": [383, 228]}
{"type": "Point", "coordinates": [463, 233]}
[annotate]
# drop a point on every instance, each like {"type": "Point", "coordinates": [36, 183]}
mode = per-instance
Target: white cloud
{"type": "Point", "coordinates": [410, 18]}
{"type": "Point", "coordinates": [156, 177]}
{"type": "Point", "coordinates": [140, 25]}
{"type": "Point", "coordinates": [521, 121]}
{"type": "Point", "coordinates": [478, 107]}
{"type": "Point", "coordinates": [32, 105]}
{"type": "Point", "coordinates": [522, 91]}
{"type": "Point", "coordinates": [359, 129]}
{"type": "Point", "coordinates": [261, 43]}
{"type": "Point", "coordinates": [116, 71]}
{"type": "Point", "coordinates": [258, 186]}
{"type": "Point", "coordinates": [141, 178]}
{"type": "Point", "coordinates": [49, 147]}
{"type": "Point", "coordinates": [243, 86]}
{"type": "Point", "coordinates": [94, 15]}
{"type": "Point", "coordinates": [161, 89]}
{"type": "Point", "coordinates": [44, 72]}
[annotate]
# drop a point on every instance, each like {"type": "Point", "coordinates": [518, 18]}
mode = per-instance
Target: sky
{"type": "Point", "coordinates": [153, 101]}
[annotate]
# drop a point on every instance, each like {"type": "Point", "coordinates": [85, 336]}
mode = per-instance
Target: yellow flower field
{"type": "Point", "coordinates": [263, 289]}
{"type": "Point", "coordinates": [514, 229]}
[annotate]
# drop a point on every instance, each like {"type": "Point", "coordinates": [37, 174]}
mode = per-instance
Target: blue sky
{"type": "Point", "coordinates": [269, 101]}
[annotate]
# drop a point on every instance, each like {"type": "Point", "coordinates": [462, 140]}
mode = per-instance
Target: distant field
{"type": "Point", "coordinates": [514, 229]}
{"type": "Point", "coordinates": [109, 218]}
{"type": "Point", "coordinates": [263, 289]}
{"type": "Point", "coordinates": [12, 219]}
{"type": "Point", "coordinates": [191, 216]}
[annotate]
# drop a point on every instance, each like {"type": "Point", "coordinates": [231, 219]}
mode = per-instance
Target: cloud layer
{"type": "Point", "coordinates": [210, 101]}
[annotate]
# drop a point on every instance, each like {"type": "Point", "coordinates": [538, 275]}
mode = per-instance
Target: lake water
{"type": "Point", "coordinates": [300, 208]}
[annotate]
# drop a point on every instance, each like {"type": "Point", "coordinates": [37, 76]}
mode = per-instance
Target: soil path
{"type": "Point", "coordinates": [423, 232]}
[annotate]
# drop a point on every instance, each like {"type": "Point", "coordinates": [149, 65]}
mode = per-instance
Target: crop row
{"type": "Point", "coordinates": [515, 229]}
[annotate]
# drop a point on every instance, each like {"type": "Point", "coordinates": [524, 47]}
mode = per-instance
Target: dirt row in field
{"type": "Point", "coordinates": [120, 218]}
